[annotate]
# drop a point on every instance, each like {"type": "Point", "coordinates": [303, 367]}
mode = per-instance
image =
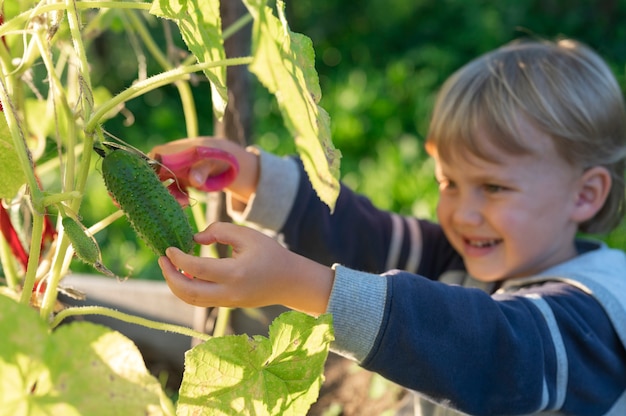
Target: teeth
{"type": "Point", "coordinates": [484, 243]}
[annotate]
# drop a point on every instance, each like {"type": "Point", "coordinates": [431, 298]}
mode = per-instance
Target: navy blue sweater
{"type": "Point", "coordinates": [547, 344]}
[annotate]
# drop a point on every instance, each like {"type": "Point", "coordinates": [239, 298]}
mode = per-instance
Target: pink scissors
{"type": "Point", "coordinates": [177, 166]}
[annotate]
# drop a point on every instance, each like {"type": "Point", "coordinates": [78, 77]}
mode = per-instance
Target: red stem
{"type": "Point", "coordinates": [12, 238]}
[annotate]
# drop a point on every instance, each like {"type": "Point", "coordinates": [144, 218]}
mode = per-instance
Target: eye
{"type": "Point", "coordinates": [493, 188]}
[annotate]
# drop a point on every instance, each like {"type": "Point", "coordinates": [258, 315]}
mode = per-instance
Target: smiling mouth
{"type": "Point", "coordinates": [482, 243]}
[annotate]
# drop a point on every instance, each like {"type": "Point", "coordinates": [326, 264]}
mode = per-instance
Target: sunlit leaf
{"type": "Point", "coordinates": [12, 177]}
{"type": "Point", "coordinates": [239, 375]}
{"type": "Point", "coordinates": [284, 62]}
{"type": "Point", "coordinates": [200, 24]}
{"type": "Point", "coordinates": [80, 369]}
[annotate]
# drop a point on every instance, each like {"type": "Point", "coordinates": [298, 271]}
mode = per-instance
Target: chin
{"type": "Point", "coordinates": [489, 279]}
{"type": "Point", "coordinates": [486, 276]}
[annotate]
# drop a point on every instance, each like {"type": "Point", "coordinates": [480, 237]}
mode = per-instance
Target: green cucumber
{"type": "Point", "coordinates": [154, 214]}
{"type": "Point", "coordinates": [84, 245]}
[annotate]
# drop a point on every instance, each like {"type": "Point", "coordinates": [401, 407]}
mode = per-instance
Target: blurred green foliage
{"type": "Point", "coordinates": [380, 64]}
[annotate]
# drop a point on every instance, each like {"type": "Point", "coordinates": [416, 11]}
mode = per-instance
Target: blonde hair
{"type": "Point", "coordinates": [562, 88]}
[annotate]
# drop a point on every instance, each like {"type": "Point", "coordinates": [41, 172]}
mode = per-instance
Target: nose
{"type": "Point", "coordinates": [467, 210]}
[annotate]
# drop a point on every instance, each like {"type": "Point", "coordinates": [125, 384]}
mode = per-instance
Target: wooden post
{"type": "Point", "coordinates": [236, 124]}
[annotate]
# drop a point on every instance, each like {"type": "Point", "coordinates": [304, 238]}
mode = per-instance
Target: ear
{"type": "Point", "coordinates": [593, 188]}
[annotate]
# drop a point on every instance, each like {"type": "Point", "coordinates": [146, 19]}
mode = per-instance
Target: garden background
{"type": "Point", "coordinates": [380, 64]}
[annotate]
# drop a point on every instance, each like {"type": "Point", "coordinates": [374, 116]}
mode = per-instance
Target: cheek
{"type": "Point", "coordinates": [517, 226]}
{"type": "Point", "coordinates": [443, 209]}
{"type": "Point", "coordinates": [506, 218]}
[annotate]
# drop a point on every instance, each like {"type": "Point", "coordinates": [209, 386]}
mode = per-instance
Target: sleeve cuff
{"type": "Point", "coordinates": [276, 192]}
{"type": "Point", "coordinates": [357, 304]}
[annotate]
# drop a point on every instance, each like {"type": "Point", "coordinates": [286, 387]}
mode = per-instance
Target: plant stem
{"type": "Point", "coordinates": [50, 295]}
{"type": "Point", "coordinates": [79, 48]}
{"type": "Point", "coordinates": [19, 143]}
{"type": "Point", "coordinates": [156, 81]}
{"type": "Point", "coordinates": [103, 223]}
{"type": "Point", "coordinates": [23, 154]}
{"type": "Point", "coordinates": [16, 23]}
{"type": "Point", "coordinates": [148, 40]}
{"type": "Point", "coordinates": [63, 196]}
{"type": "Point", "coordinates": [236, 26]}
{"type": "Point", "coordinates": [59, 102]}
{"type": "Point", "coordinates": [77, 185]}
{"type": "Point", "coordinates": [197, 209]}
{"type": "Point", "coordinates": [30, 55]}
{"type": "Point", "coordinates": [33, 258]}
{"type": "Point", "coordinates": [189, 108]}
{"type": "Point", "coordinates": [221, 323]}
{"type": "Point", "coordinates": [188, 104]}
{"type": "Point", "coordinates": [54, 163]}
{"type": "Point", "coordinates": [62, 258]}
{"type": "Point", "coordinates": [132, 319]}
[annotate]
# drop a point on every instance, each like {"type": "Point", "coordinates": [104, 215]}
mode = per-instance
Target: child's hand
{"type": "Point", "coordinates": [246, 180]}
{"type": "Point", "coordinates": [260, 272]}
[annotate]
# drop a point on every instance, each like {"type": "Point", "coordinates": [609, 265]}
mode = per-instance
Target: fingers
{"type": "Point", "coordinates": [202, 170]}
{"type": "Point", "coordinates": [202, 268]}
{"type": "Point", "coordinates": [192, 291]}
{"type": "Point", "coordinates": [246, 279]}
{"type": "Point", "coordinates": [179, 145]}
{"type": "Point", "coordinates": [223, 233]}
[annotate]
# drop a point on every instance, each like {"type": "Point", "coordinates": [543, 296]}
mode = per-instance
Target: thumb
{"type": "Point", "coordinates": [199, 173]}
{"type": "Point", "coordinates": [224, 233]}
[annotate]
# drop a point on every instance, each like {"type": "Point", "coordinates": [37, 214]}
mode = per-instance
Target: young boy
{"type": "Point", "coordinates": [498, 309]}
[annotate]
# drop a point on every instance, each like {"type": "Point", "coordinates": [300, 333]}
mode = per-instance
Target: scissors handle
{"type": "Point", "coordinates": [178, 166]}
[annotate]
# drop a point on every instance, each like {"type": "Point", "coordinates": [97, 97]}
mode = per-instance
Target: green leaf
{"type": "Point", "coordinates": [200, 24]}
{"type": "Point", "coordinates": [284, 62]}
{"type": "Point", "coordinates": [12, 177]}
{"type": "Point", "coordinates": [80, 369]}
{"type": "Point", "coordinates": [281, 374]}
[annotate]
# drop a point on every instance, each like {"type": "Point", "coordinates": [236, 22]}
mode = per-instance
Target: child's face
{"type": "Point", "coordinates": [511, 218]}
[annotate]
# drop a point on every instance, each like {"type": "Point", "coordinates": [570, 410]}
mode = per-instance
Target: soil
{"type": "Point", "coordinates": [349, 390]}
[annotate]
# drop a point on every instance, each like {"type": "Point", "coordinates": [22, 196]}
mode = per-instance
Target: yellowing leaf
{"type": "Point", "coordinates": [200, 24]}
{"type": "Point", "coordinates": [279, 375]}
{"type": "Point", "coordinates": [12, 176]}
{"type": "Point", "coordinates": [79, 369]}
{"type": "Point", "coordinates": [284, 62]}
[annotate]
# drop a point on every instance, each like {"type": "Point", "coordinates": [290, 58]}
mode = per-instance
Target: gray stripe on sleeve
{"type": "Point", "coordinates": [559, 346]}
{"type": "Point", "coordinates": [416, 245]}
{"type": "Point", "coordinates": [393, 254]}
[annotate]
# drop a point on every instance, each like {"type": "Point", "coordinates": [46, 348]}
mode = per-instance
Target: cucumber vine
{"type": "Point", "coordinates": [64, 108]}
